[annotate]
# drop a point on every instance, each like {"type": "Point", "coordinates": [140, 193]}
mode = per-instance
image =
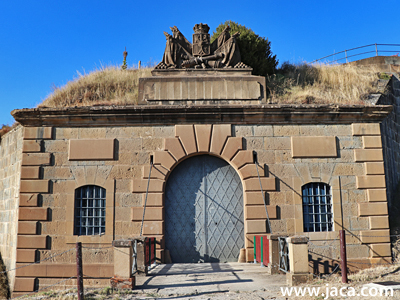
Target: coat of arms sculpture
{"type": "Point", "coordinates": [181, 54]}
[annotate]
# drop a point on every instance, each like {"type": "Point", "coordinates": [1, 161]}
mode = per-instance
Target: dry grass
{"type": "Point", "coordinates": [4, 288]}
{"type": "Point", "coordinates": [306, 84]}
{"type": "Point", "coordinates": [106, 86]}
{"type": "Point", "coordinates": [297, 84]}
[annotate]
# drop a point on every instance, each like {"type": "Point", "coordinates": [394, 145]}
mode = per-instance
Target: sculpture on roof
{"type": "Point", "coordinates": [221, 53]}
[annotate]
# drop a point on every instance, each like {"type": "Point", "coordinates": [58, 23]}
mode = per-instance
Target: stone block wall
{"type": "Point", "coordinates": [348, 157]}
{"type": "Point", "coordinates": [10, 172]}
{"type": "Point", "coordinates": [391, 146]}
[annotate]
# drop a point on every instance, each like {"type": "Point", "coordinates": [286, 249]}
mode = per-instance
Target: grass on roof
{"type": "Point", "coordinates": [322, 84]}
{"type": "Point", "coordinates": [293, 84]}
{"type": "Point", "coordinates": [105, 86]}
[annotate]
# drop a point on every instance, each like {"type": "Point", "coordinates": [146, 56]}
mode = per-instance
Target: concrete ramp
{"type": "Point", "coordinates": [210, 279]}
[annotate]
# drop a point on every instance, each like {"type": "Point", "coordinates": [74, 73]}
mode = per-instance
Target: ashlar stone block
{"type": "Point", "coordinates": [91, 149]}
{"type": "Point", "coordinates": [187, 137]}
{"type": "Point", "coordinates": [31, 146]}
{"type": "Point", "coordinates": [241, 158]}
{"type": "Point", "coordinates": [203, 137]}
{"type": "Point", "coordinates": [31, 242]}
{"type": "Point", "coordinates": [164, 158]}
{"type": "Point", "coordinates": [314, 146]}
{"type": "Point", "coordinates": [370, 142]}
{"type": "Point", "coordinates": [376, 195]}
{"type": "Point", "coordinates": [371, 182]}
{"type": "Point", "coordinates": [380, 250]}
{"type": "Point", "coordinates": [256, 226]}
{"type": "Point", "coordinates": [36, 159]}
{"type": "Point", "coordinates": [372, 209]}
{"type": "Point", "coordinates": [34, 133]}
{"type": "Point", "coordinates": [253, 184]}
{"type": "Point", "coordinates": [379, 222]}
{"type": "Point", "coordinates": [366, 128]}
{"type": "Point", "coordinates": [173, 146]}
{"type": "Point", "coordinates": [258, 212]}
{"type": "Point", "coordinates": [220, 133]}
{"type": "Point", "coordinates": [151, 214]}
{"type": "Point", "coordinates": [232, 146]}
{"type": "Point", "coordinates": [374, 168]}
{"type": "Point", "coordinates": [362, 155]}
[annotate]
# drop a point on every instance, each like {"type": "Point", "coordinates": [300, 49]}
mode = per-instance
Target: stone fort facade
{"type": "Point", "coordinates": [279, 154]}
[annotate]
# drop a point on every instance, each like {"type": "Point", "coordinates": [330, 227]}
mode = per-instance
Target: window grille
{"type": "Point", "coordinates": [317, 207]}
{"type": "Point", "coordinates": [90, 210]}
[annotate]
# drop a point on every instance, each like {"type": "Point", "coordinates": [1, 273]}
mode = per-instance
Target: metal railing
{"type": "Point", "coordinates": [344, 56]}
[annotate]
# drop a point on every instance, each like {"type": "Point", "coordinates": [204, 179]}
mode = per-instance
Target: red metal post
{"type": "Point", "coordinates": [79, 273]}
{"type": "Point", "coordinates": [343, 255]}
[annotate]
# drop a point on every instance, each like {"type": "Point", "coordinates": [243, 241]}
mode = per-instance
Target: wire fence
{"type": "Point", "coordinates": [366, 51]}
{"type": "Point", "coordinates": [334, 244]}
{"type": "Point", "coordinates": [46, 259]}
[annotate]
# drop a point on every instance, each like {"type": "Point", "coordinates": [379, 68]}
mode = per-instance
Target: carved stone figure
{"type": "Point", "coordinates": [180, 53]}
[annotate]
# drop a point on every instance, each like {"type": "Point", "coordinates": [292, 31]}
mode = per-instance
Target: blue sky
{"type": "Point", "coordinates": [45, 43]}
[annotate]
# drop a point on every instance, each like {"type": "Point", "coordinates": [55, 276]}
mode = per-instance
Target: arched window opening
{"type": "Point", "coordinates": [90, 210]}
{"type": "Point", "coordinates": [317, 207]}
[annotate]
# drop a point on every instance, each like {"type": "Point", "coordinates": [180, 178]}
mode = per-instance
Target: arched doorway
{"type": "Point", "coordinates": [204, 211]}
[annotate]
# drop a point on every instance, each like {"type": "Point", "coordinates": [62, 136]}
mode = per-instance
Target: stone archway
{"type": "Point", "coordinates": [215, 140]}
{"type": "Point", "coordinates": [204, 211]}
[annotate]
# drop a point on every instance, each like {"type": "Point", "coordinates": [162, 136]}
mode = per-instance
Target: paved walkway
{"type": "Point", "coordinates": [211, 281]}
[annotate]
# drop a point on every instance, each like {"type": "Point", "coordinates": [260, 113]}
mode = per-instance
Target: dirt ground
{"type": "Point", "coordinates": [233, 281]}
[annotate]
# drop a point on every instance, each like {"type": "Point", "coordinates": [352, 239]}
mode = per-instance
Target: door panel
{"type": "Point", "coordinates": [204, 211]}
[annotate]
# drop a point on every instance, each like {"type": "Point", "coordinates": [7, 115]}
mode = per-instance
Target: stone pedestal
{"type": "Point", "coordinates": [273, 264]}
{"type": "Point", "coordinates": [122, 278]}
{"type": "Point", "coordinates": [202, 86]}
{"type": "Point", "coordinates": [298, 261]}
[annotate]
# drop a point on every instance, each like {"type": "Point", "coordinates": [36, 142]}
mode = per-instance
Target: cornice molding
{"type": "Point", "coordinates": [208, 114]}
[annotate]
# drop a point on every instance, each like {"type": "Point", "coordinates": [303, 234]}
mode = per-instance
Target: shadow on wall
{"type": "Point", "coordinates": [4, 288]}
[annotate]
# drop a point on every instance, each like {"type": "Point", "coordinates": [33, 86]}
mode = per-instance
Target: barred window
{"type": "Point", "coordinates": [90, 210]}
{"type": "Point", "coordinates": [317, 207]}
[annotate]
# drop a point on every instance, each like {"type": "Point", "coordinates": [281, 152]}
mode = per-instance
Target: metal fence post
{"type": "Point", "coordinates": [343, 256]}
{"type": "Point", "coordinates": [376, 49]}
{"type": "Point", "coordinates": [79, 275]}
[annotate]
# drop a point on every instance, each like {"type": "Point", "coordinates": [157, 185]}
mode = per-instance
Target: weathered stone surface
{"type": "Point", "coordinates": [241, 158]}
{"type": "Point", "coordinates": [30, 172]}
{"type": "Point", "coordinates": [374, 168]}
{"type": "Point", "coordinates": [366, 129]}
{"type": "Point", "coordinates": [362, 155]}
{"type": "Point", "coordinates": [91, 149]}
{"type": "Point", "coordinates": [31, 146]}
{"type": "Point", "coordinates": [371, 181]}
{"type": "Point", "coordinates": [256, 226]}
{"type": "Point", "coordinates": [219, 135]}
{"type": "Point", "coordinates": [372, 209]}
{"type": "Point", "coordinates": [35, 159]}
{"type": "Point", "coordinates": [376, 195]}
{"type": "Point", "coordinates": [186, 135]}
{"type": "Point", "coordinates": [173, 146]}
{"type": "Point", "coordinates": [379, 222]}
{"type": "Point", "coordinates": [34, 133]}
{"type": "Point", "coordinates": [258, 212]}
{"type": "Point", "coordinates": [314, 146]}
{"type": "Point", "coordinates": [253, 184]}
{"type": "Point", "coordinates": [164, 158]}
{"type": "Point", "coordinates": [34, 186]}
{"type": "Point", "coordinates": [203, 137]}
{"type": "Point", "coordinates": [372, 142]}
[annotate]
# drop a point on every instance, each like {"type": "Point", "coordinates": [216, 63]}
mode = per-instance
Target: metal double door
{"type": "Point", "coordinates": [204, 211]}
